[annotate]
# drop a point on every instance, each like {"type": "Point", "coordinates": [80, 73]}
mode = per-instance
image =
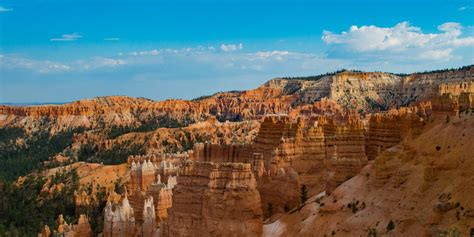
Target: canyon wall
{"type": "Point", "coordinates": [363, 90]}
{"type": "Point", "coordinates": [215, 200]}
{"type": "Point", "coordinates": [221, 153]}
{"type": "Point", "coordinates": [345, 151]}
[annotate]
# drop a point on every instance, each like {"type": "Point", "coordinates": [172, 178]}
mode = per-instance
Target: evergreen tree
{"type": "Point", "coordinates": [304, 194]}
{"type": "Point", "coordinates": [390, 226]}
{"type": "Point", "coordinates": [270, 210]}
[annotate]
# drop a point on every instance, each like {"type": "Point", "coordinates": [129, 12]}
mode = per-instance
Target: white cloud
{"type": "Point", "coordinates": [67, 37]}
{"type": "Point", "coordinates": [402, 40]}
{"type": "Point", "coordinates": [146, 53]}
{"type": "Point", "coordinates": [462, 8]}
{"type": "Point", "coordinates": [276, 54]}
{"type": "Point", "coordinates": [231, 47]}
{"type": "Point", "coordinates": [46, 66]}
{"type": "Point", "coordinates": [4, 9]}
{"type": "Point", "coordinates": [442, 54]}
{"type": "Point", "coordinates": [50, 67]}
{"type": "Point", "coordinates": [112, 39]}
{"type": "Point", "coordinates": [171, 51]}
{"type": "Point", "coordinates": [98, 62]}
{"type": "Point", "coordinates": [109, 62]}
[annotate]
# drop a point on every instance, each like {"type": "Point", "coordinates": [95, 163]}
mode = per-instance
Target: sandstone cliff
{"type": "Point", "coordinates": [421, 185]}
{"type": "Point", "coordinates": [215, 200]}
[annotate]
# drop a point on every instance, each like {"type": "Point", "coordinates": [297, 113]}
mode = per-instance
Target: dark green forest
{"type": "Point", "coordinates": [18, 160]}
{"type": "Point", "coordinates": [24, 209]}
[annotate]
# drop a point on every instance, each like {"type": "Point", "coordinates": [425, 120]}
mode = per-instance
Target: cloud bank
{"type": "Point", "coordinates": [402, 41]}
{"type": "Point", "coordinates": [231, 47]}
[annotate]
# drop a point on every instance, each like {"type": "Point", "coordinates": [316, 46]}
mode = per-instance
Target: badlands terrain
{"type": "Point", "coordinates": [348, 153]}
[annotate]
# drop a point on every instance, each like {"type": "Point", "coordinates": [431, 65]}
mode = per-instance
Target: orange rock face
{"type": "Point", "coordinates": [163, 195]}
{"type": "Point", "coordinates": [142, 175]}
{"type": "Point", "coordinates": [319, 152]}
{"type": "Point", "coordinates": [119, 219]}
{"type": "Point", "coordinates": [82, 229]}
{"type": "Point", "coordinates": [221, 153]}
{"type": "Point", "coordinates": [345, 150]}
{"type": "Point", "coordinates": [215, 199]}
{"type": "Point", "coordinates": [311, 134]}
{"type": "Point", "coordinates": [388, 129]}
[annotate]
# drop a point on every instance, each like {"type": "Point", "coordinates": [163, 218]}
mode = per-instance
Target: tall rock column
{"type": "Point", "coordinates": [215, 200]}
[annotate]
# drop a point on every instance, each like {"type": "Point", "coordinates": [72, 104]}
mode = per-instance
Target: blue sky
{"type": "Point", "coordinates": [56, 51]}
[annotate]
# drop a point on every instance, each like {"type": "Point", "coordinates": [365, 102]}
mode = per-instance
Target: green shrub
{"type": "Point", "coordinates": [390, 226]}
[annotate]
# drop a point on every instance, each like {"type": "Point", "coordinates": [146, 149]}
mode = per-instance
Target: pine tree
{"type": "Point", "coordinates": [270, 210]}
{"type": "Point", "coordinates": [390, 226]}
{"type": "Point", "coordinates": [304, 194]}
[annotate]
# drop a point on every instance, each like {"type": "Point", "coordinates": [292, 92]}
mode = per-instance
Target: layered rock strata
{"type": "Point", "coordinates": [388, 129]}
{"type": "Point", "coordinates": [215, 200]}
{"type": "Point", "coordinates": [345, 151]}
{"type": "Point", "coordinates": [119, 219]}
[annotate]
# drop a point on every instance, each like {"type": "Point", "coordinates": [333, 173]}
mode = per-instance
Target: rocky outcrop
{"type": "Point", "coordinates": [215, 200]}
{"type": "Point", "coordinates": [345, 151]}
{"type": "Point", "coordinates": [82, 202]}
{"type": "Point", "coordinates": [388, 129]}
{"type": "Point", "coordinates": [313, 137]}
{"type": "Point", "coordinates": [364, 90]}
{"type": "Point", "coordinates": [454, 97]}
{"type": "Point", "coordinates": [45, 232]}
{"type": "Point", "coordinates": [149, 219]}
{"type": "Point", "coordinates": [119, 219]}
{"type": "Point", "coordinates": [163, 195]}
{"type": "Point", "coordinates": [319, 152]}
{"type": "Point", "coordinates": [221, 153]}
{"type": "Point", "coordinates": [274, 145]}
{"type": "Point", "coordinates": [81, 229]}
{"type": "Point", "coordinates": [142, 175]}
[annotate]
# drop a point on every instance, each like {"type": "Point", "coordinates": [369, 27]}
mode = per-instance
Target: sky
{"type": "Point", "coordinates": [63, 50]}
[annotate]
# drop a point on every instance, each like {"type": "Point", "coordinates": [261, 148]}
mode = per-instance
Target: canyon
{"type": "Point", "coordinates": [345, 153]}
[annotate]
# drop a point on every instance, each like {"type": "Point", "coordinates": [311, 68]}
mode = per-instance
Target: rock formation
{"type": "Point", "coordinates": [317, 131]}
{"type": "Point", "coordinates": [410, 189]}
{"type": "Point", "coordinates": [81, 229]}
{"type": "Point", "coordinates": [388, 129]}
{"type": "Point", "coordinates": [163, 195]}
{"type": "Point", "coordinates": [215, 200]}
{"type": "Point", "coordinates": [221, 153]}
{"type": "Point", "coordinates": [82, 202]}
{"type": "Point", "coordinates": [345, 151]}
{"type": "Point", "coordinates": [142, 175]}
{"type": "Point", "coordinates": [119, 219]}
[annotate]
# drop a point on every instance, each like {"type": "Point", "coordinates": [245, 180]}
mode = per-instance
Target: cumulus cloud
{"type": "Point", "coordinates": [231, 47]}
{"type": "Point", "coordinates": [67, 37]}
{"type": "Point", "coordinates": [4, 9]}
{"type": "Point", "coordinates": [402, 40]}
